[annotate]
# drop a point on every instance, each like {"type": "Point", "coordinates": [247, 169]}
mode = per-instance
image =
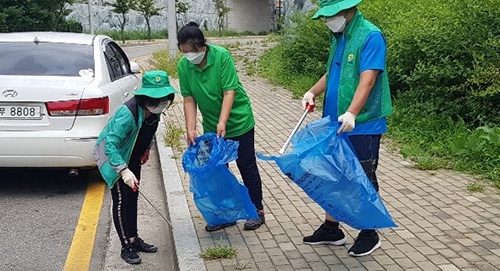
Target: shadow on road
{"type": "Point", "coordinates": [44, 181]}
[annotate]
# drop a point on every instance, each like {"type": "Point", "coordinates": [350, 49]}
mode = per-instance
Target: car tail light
{"type": "Point", "coordinates": [86, 107]}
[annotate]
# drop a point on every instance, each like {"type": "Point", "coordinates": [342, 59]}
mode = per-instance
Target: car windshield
{"type": "Point", "coordinates": [51, 59]}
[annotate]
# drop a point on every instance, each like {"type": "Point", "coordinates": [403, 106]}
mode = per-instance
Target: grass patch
{"type": "Point", "coordinates": [163, 34]}
{"type": "Point", "coordinates": [433, 141]}
{"type": "Point", "coordinates": [134, 35]}
{"type": "Point", "coordinates": [163, 61]}
{"type": "Point", "coordinates": [474, 187]}
{"type": "Point", "coordinates": [173, 138]}
{"type": "Point", "coordinates": [219, 252]}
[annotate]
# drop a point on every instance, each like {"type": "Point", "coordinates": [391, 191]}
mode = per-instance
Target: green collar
{"type": "Point", "coordinates": [353, 23]}
{"type": "Point", "coordinates": [210, 59]}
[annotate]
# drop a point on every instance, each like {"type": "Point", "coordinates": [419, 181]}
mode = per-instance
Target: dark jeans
{"type": "Point", "coordinates": [247, 164]}
{"type": "Point", "coordinates": [367, 149]}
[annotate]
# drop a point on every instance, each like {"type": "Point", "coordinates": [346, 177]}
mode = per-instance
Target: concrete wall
{"type": "Point", "coordinates": [250, 15]}
{"type": "Point", "coordinates": [245, 15]}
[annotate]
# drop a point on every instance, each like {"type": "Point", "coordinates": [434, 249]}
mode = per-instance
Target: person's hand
{"type": "Point", "coordinates": [129, 178]}
{"type": "Point", "coordinates": [348, 121]}
{"type": "Point", "coordinates": [307, 99]}
{"type": "Point", "coordinates": [221, 129]}
{"type": "Point", "coordinates": [191, 136]}
{"type": "Point", "coordinates": [145, 157]}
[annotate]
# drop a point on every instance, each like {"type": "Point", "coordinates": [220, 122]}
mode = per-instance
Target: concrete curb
{"type": "Point", "coordinates": [186, 241]}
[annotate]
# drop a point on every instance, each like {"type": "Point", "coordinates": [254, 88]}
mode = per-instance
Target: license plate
{"type": "Point", "coordinates": [20, 111]}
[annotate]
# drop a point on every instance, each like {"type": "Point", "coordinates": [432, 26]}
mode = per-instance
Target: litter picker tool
{"type": "Point", "coordinates": [156, 209]}
{"type": "Point", "coordinates": [309, 108]}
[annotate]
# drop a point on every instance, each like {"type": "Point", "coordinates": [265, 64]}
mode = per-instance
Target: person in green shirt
{"type": "Point", "coordinates": [209, 82]}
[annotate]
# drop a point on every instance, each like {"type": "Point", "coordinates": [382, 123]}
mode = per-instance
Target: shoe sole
{"type": "Point", "coordinates": [252, 228]}
{"type": "Point", "coordinates": [148, 251]}
{"type": "Point", "coordinates": [379, 244]}
{"type": "Point", "coordinates": [333, 243]}
{"type": "Point", "coordinates": [136, 261]}
{"type": "Point", "coordinates": [219, 227]}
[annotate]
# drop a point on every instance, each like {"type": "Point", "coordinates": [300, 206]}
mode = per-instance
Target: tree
{"type": "Point", "coordinates": [122, 7]}
{"type": "Point", "coordinates": [57, 10]}
{"type": "Point", "coordinates": [222, 10]}
{"type": "Point", "coordinates": [147, 9]}
{"type": "Point", "coordinates": [26, 15]}
{"type": "Point", "coordinates": [180, 8]}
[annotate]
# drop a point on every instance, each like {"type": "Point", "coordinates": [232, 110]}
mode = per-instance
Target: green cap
{"type": "Point", "coordinates": [155, 84]}
{"type": "Point", "coordinates": [328, 8]}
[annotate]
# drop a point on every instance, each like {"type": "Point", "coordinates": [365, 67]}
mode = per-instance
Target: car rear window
{"type": "Point", "coordinates": [59, 59]}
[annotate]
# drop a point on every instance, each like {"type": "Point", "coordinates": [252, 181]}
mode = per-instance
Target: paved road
{"type": "Point", "coordinates": [39, 213]}
{"type": "Point", "coordinates": [40, 210]}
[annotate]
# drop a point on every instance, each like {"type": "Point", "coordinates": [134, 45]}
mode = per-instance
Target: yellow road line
{"type": "Point", "coordinates": [82, 246]}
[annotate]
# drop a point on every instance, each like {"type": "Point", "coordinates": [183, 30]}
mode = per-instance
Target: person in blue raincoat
{"type": "Point", "coordinates": [121, 149]}
{"type": "Point", "coordinates": [357, 94]}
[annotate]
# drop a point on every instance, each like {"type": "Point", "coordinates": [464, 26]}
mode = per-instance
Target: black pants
{"type": "Point", "coordinates": [125, 206]}
{"type": "Point", "coordinates": [367, 150]}
{"type": "Point", "coordinates": [247, 164]}
{"type": "Point", "coordinates": [124, 198]}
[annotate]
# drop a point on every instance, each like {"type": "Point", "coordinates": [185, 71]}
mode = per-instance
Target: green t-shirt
{"type": "Point", "coordinates": [207, 87]}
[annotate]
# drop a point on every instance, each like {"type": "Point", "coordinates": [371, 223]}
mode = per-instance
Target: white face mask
{"type": "Point", "coordinates": [159, 108]}
{"type": "Point", "coordinates": [336, 23]}
{"type": "Point", "coordinates": [195, 58]}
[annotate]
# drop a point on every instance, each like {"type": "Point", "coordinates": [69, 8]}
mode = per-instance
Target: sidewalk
{"type": "Point", "coordinates": [441, 225]}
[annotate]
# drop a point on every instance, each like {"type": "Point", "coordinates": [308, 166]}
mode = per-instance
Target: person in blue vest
{"type": "Point", "coordinates": [357, 94]}
{"type": "Point", "coordinates": [123, 147]}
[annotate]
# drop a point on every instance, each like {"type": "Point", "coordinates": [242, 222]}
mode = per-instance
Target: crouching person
{"type": "Point", "coordinates": [121, 149]}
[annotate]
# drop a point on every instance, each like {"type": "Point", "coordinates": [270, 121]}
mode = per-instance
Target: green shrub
{"type": "Point", "coordinates": [435, 141]}
{"type": "Point", "coordinates": [298, 61]}
{"type": "Point", "coordinates": [444, 69]}
{"type": "Point", "coordinates": [447, 51]}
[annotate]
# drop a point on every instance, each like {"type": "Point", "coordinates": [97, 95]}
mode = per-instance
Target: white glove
{"type": "Point", "coordinates": [348, 120]}
{"type": "Point", "coordinates": [128, 178]}
{"type": "Point", "coordinates": [307, 99]}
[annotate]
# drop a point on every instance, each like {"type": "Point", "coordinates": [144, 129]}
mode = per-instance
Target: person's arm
{"type": "Point", "coordinates": [227, 105]}
{"type": "Point", "coordinates": [119, 127]}
{"type": "Point", "coordinates": [366, 83]}
{"type": "Point", "coordinates": [190, 117]}
{"type": "Point", "coordinates": [190, 105]}
{"type": "Point", "coordinates": [314, 91]}
{"type": "Point", "coordinates": [319, 87]}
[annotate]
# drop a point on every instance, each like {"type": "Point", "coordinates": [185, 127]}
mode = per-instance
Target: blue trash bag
{"type": "Point", "coordinates": [325, 166]}
{"type": "Point", "coordinates": [218, 195]}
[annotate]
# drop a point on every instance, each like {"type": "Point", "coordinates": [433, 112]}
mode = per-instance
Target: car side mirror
{"type": "Point", "coordinates": [134, 67]}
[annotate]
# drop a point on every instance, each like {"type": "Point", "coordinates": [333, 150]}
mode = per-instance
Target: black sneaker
{"type": "Point", "coordinates": [253, 224]}
{"type": "Point", "coordinates": [325, 235]}
{"type": "Point", "coordinates": [365, 244]}
{"type": "Point", "coordinates": [219, 227]}
{"type": "Point", "coordinates": [140, 245]}
{"type": "Point", "coordinates": [130, 255]}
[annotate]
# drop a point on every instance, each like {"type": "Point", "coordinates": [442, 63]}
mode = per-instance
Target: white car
{"type": "Point", "coordinates": [57, 92]}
